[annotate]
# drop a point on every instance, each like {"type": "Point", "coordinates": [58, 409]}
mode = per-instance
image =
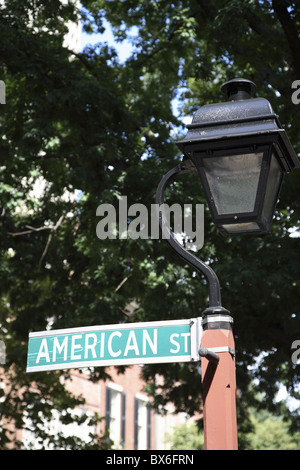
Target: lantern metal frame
{"type": "Point", "coordinates": [257, 215]}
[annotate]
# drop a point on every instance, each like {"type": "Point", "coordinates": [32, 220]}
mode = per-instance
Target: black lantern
{"type": "Point", "coordinates": [241, 153]}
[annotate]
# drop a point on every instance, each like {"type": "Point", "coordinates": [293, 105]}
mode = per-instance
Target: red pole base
{"type": "Point", "coordinates": [219, 392]}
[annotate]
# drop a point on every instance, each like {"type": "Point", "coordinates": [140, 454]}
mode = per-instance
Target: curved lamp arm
{"type": "Point", "coordinates": [213, 281]}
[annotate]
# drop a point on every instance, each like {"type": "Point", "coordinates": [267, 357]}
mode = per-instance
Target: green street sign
{"type": "Point", "coordinates": [120, 344]}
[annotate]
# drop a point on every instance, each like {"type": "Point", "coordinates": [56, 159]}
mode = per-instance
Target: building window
{"type": "Point", "coordinates": [115, 414]}
{"type": "Point", "coordinates": [142, 423]}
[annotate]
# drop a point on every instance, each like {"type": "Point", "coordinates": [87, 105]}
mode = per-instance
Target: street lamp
{"type": "Point", "coordinates": [241, 153]}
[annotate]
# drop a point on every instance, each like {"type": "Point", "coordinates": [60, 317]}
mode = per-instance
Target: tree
{"type": "Point", "coordinates": [268, 433]}
{"type": "Point", "coordinates": [272, 434]}
{"type": "Point", "coordinates": [186, 437]}
{"type": "Point", "coordinates": [93, 129]}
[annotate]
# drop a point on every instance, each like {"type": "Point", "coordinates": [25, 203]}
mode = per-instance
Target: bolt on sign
{"type": "Point", "coordinates": [120, 344]}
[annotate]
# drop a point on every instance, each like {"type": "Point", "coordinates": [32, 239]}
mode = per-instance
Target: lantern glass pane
{"type": "Point", "coordinates": [233, 181]}
{"type": "Point", "coordinates": [273, 186]}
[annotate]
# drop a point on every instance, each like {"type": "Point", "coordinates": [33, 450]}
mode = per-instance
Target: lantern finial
{"type": "Point", "coordinates": [238, 89]}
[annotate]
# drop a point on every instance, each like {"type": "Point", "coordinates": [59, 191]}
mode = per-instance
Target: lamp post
{"type": "Point", "coordinates": [241, 153]}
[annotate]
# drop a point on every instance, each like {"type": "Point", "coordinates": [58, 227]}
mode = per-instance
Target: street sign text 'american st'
{"type": "Point", "coordinates": [120, 344]}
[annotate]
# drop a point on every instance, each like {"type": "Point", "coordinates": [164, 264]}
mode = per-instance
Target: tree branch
{"type": "Point", "coordinates": [53, 229]}
{"type": "Point", "coordinates": [33, 229]}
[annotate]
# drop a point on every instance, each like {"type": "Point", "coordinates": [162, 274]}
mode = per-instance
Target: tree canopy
{"type": "Point", "coordinates": [88, 128]}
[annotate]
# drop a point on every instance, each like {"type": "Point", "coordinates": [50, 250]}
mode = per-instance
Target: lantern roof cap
{"type": "Point", "coordinates": [238, 89]}
{"type": "Point", "coordinates": [245, 113]}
